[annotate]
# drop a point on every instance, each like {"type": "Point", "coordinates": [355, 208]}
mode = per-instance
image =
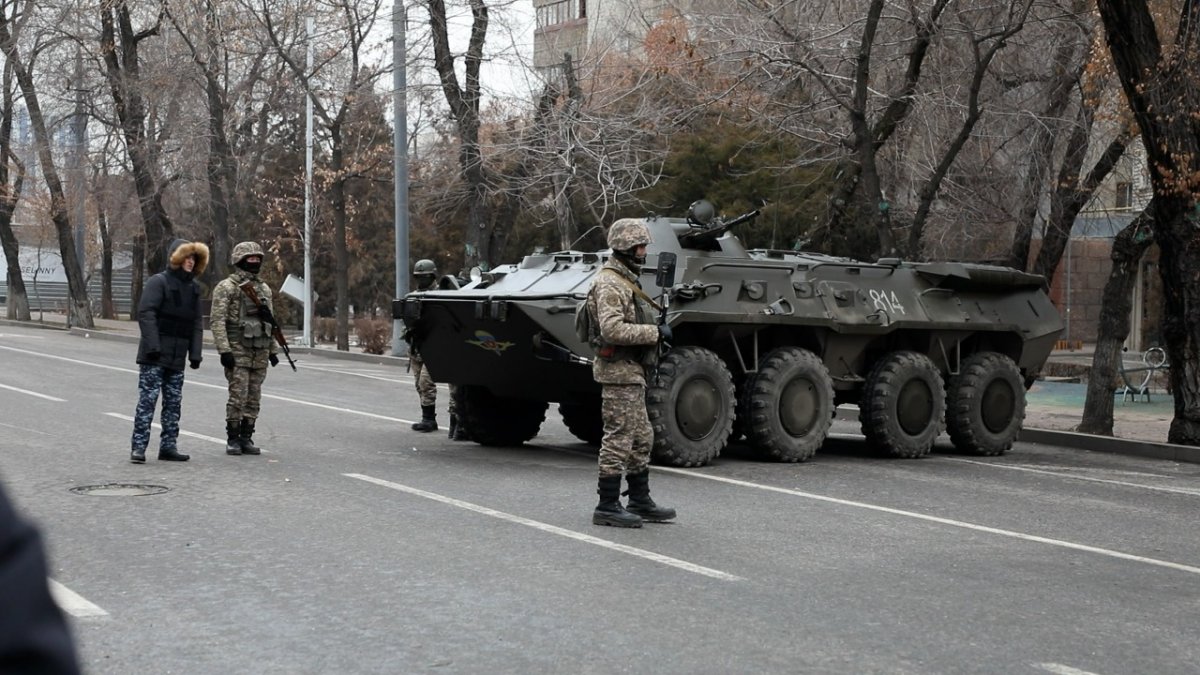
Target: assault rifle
{"type": "Point", "coordinates": [264, 313]}
{"type": "Point", "coordinates": [664, 277]}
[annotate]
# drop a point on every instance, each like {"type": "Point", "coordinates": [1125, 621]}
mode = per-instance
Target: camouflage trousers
{"type": "Point", "coordinates": [245, 392]}
{"type": "Point", "coordinates": [425, 385]}
{"type": "Point", "coordinates": [152, 379]}
{"type": "Point", "coordinates": [628, 436]}
{"type": "Point", "coordinates": [453, 400]}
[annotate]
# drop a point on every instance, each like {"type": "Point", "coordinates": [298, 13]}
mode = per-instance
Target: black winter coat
{"type": "Point", "coordinates": [169, 317]}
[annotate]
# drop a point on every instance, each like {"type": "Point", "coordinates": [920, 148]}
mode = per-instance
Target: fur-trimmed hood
{"type": "Point", "coordinates": [181, 249]}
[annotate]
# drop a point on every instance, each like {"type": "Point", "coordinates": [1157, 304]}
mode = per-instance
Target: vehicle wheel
{"type": "Point", "coordinates": [691, 407]}
{"type": "Point", "coordinates": [903, 405]}
{"type": "Point", "coordinates": [496, 421]}
{"type": "Point", "coordinates": [583, 420]}
{"type": "Point", "coordinates": [985, 405]}
{"type": "Point", "coordinates": [787, 406]}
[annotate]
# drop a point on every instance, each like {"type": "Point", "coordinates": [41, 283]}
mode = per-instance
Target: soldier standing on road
{"type": "Point", "coordinates": [172, 331]}
{"type": "Point", "coordinates": [626, 348]}
{"type": "Point", "coordinates": [425, 276]}
{"type": "Point", "coordinates": [242, 332]}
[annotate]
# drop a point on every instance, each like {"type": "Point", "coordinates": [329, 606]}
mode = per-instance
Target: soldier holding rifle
{"type": "Point", "coordinates": [242, 329]}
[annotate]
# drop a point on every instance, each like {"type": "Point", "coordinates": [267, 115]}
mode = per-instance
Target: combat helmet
{"type": "Point", "coordinates": [627, 234]}
{"type": "Point", "coordinates": [424, 267]}
{"type": "Point", "coordinates": [244, 250]}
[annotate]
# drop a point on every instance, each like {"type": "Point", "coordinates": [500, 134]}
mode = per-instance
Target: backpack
{"type": "Point", "coordinates": [586, 330]}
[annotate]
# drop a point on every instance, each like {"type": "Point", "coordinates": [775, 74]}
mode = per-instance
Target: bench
{"type": "Point", "coordinates": [1155, 359]}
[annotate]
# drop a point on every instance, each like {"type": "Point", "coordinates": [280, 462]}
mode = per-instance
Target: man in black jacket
{"type": "Point", "coordinates": [172, 331]}
{"type": "Point", "coordinates": [33, 634]}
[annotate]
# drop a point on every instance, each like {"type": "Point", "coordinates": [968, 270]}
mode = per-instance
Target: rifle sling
{"type": "Point", "coordinates": [635, 288]}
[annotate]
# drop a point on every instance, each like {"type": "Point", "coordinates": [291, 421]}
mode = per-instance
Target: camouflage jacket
{"type": "Point", "coordinates": [236, 326]}
{"type": "Point", "coordinates": [626, 323]}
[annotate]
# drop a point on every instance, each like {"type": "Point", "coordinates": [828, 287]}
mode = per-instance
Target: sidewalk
{"type": "Point", "coordinates": [1053, 409]}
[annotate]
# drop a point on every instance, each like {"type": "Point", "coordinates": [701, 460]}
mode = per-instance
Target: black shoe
{"type": "Point", "coordinates": [138, 456]}
{"type": "Point", "coordinates": [640, 502]}
{"type": "Point", "coordinates": [427, 422]}
{"type": "Point", "coordinates": [246, 438]}
{"type": "Point", "coordinates": [233, 437]}
{"type": "Point", "coordinates": [172, 455]}
{"type": "Point", "coordinates": [453, 426]}
{"type": "Point", "coordinates": [609, 511]}
{"type": "Point", "coordinates": [615, 516]}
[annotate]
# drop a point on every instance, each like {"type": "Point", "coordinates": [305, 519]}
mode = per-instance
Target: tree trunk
{"type": "Point", "coordinates": [1161, 87]}
{"type": "Point", "coordinates": [337, 202]}
{"type": "Point", "coordinates": [79, 310]}
{"type": "Point", "coordinates": [139, 273]}
{"type": "Point", "coordinates": [123, 71]}
{"type": "Point", "coordinates": [1129, 246]}
{"type": "Point", "coordinates": [108, 309]}
{"type": "Point", "coordinates": [16, 300]}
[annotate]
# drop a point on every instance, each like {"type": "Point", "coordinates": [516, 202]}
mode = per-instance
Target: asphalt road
{"type": "Point", "coordinates": [355, 545]}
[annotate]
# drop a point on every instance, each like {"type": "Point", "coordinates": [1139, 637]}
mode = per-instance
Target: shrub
{"type": "Point", "coordinates": [325, 329]}
{"type": "Point", "coordinates": [374, 335]}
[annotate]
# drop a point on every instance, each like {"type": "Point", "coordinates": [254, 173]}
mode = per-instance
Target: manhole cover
{"type": "Point", "coordinates": [120, 490]}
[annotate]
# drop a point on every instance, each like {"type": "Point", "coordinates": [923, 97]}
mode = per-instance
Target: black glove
{"type": "Point", "coordinates": [265, 314]}
{"type": "Point", "coordinates": [227, 360]}
{"type": "Point", "coordinates": [274, 360]}
{"type": "Point", "coordinates": [153, 355]}
{"type": "Point", "coordinates": [664, 333]}
{"type": "Point", "coordinates": [195, 363]}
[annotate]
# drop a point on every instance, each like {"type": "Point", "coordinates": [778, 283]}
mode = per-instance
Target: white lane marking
{"type": "Point", "coordinates": [24, 337]}
{"type": "Point", "coordinates": [937, 519]}
{"type": "Point", "coordinates": [553, 529]}
{"type": "Point", "coordinates": [32, 431]}
{"type": "Point", "coordinates": [352, 373]}
{"type": "Point", "coordinates": [193, 383]}
{"type": "Point", "coordinates": [156, 425]}
{"type": "Point", "coordinates": [1060, 669]}
{"type": "Point", "coordinates": [1158, 488]}
{"type": "Point", "coordinates": [73, 603]}
{"type": "Point", "coordinates": [32, 393]}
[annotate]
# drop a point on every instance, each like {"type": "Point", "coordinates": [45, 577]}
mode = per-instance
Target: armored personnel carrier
{"type": "Point", "coordinates": [766, 344]}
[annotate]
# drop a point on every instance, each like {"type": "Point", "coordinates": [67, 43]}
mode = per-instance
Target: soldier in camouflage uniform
{"type": "Point", "coordinates": [425, 275]}
{"type": "Point", "coordinates": [242, 332]}
{"type": "Point", "coordinates": [172, 329]}
{"type": "Point", "coordinates": [626, 349]}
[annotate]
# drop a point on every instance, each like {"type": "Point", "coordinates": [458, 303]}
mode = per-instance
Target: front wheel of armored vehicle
{"type": "Point", "coordinates": [903, 405]}
{"type": "Point", "coordinates": [496, 421]}
{"type": "Point", "coordinates": [985, 404]}
{"type": "Point", "coordinates": [786, 407]}
{"type": "Point", "coordinates": [691, 407]}
{"type": "Point", "coordinates": [583, 420]}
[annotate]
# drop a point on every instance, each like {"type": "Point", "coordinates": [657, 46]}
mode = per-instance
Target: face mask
{"type": "Point", "coordinates": [250, 267]}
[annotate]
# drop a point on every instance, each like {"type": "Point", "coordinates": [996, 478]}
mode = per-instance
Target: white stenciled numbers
{"type": "Point", "coordinates": [887, 301]}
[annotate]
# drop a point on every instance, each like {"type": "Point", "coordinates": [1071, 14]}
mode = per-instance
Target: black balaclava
{"type": "Point", "coordinates": [245, 264]}
{"type": "Point", "coordinates": [631, 260]}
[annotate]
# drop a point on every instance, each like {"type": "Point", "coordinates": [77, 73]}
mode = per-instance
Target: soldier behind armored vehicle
{"type": "Point", "coordinates": [626, 350]}
{"type": "Point", "coordinates": [424, 279]}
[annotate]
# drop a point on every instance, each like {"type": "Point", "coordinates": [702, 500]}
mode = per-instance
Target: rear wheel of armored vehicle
{"type": "Point", "coordinates": [903, 405]}
{"type": "Point", "coordinates": [691, 407]}
{"type": "Point", "coordinates": [583, 420]}
{"type": "Point", "coordinates": [786, 407]}
{"type": "Point", "coordinates": [496, 421]}
{"type": "Point", "coordinates": [985, 405]}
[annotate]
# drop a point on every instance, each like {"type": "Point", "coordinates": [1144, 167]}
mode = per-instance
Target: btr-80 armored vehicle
{"type": "Point", "coordinates": [766, 344]}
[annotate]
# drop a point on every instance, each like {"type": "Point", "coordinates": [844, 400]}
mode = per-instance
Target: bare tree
{"type": "Point", "coordinates": [79, 311]}
{"type": "Point", "coordinates": [1161, 81]}
{"type": "Point", "coordinates": [10, 194]}
{"type": "Point", "coordinates": [120, 43]}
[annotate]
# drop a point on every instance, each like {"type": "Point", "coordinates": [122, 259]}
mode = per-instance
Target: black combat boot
{"type": "Point", "coordinates": [172, 455]}
{"type": "Point", "coordinates": [233, 437]}
{"type": "Point", "coordinates": [246, 437]}
{"type": "Point", "coordinates": [453, 426]}
{"type": "Point", "coordinates": [138, 456]}
{"type": "Point", "coordinates": [640, 502]}
{"type": "Point", "coordinates": [428, 422]}
{"type": "Point", "coordinates": [609, 510]}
